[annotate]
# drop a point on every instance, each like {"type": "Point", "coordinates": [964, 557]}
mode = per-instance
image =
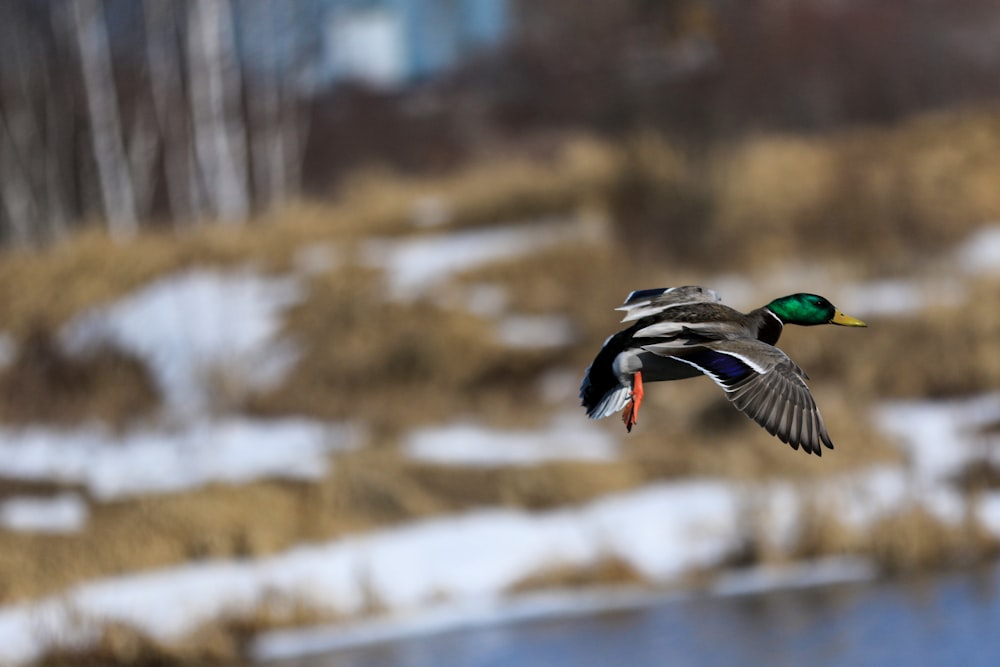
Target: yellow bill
{"type": "Point", "coordinates": [846, 320]}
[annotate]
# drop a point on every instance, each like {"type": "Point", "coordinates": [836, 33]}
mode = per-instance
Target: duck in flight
{"type": "Point", "coordinates": [683, 332]}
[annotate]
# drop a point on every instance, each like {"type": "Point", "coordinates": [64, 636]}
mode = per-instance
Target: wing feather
{"type": "Point", "coordinates": [762, 382]}
{"type": "Point", "coordinates": [649, 302]}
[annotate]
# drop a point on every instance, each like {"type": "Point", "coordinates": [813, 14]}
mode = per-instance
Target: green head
{"type": "Point", "coordinates": [809, 309]}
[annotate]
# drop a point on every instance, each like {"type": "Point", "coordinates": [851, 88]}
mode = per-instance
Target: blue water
{"type": "Point", "coordinates": [948, 620]}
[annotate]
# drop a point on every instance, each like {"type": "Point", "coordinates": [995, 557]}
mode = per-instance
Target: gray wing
{"type": "Point", "coordinates": [643, 303]}
{"type": "Point", "coordinates": [761, 381]}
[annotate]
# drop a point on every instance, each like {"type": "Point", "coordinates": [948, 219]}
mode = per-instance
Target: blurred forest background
{"type": "Point", "coordinates": [561, 153]}
{"type": "Point", "coordinates": [161, 113]}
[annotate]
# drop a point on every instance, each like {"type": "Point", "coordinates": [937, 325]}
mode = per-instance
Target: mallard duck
{"type": "Point", "coordinates": [683, 332]}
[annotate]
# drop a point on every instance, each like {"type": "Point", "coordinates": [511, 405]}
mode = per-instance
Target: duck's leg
{"type": "Point", "coordinates": [631, 414]}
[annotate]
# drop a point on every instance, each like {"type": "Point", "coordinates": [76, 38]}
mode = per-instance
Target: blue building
{"type": "Point", "coordinates": [389, 43]}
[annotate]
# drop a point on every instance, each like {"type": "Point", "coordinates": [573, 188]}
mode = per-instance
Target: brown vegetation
{"type": "Point", "coordinates": [608, 571]}
{"type": "Point", "coordinates": [44, 384]}
{"type": "Point", "coordinates": [889, 201]}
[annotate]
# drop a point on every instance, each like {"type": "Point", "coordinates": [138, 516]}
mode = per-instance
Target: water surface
{"type": "Point", "coordinates": [947, 620]}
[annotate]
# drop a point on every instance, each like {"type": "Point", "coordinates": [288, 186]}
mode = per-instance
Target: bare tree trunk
{"type": "Point", "coordinates": [277, 139]}
{"type": "Point", "coordinates": [143, 147]}
{"type": "Point", "coordinates": [218, 120]}
{"type": "Point", "coordinates": [20, 207]}
{"type": "Point", "coordinates": [267, 147]}
{"type": "Point", "coordinates": [60, 123]}
{"type": "Point", "coordinates": [102, 101]}
{"type": "Point", "coordinates": [57, 157]}
{"type": "Point", "coordinates": [21, 143]}
{"type": "Point", "coordinates": [295, 132]}
{"type": "Point", "coordinates": [172, 113]}
{"type": "Point", "coordinates": [58, 164]}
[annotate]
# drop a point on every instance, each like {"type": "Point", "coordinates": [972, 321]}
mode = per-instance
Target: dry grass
{"type": "Point", "coordinates": [693, 431]}
{"type": "Point", "coordinates": [884, 198]}
{"type": "Point", "coordinates": [43, 289]}
{"type": "Point", "coordinates": [888, 192]}
{"type": "Point", "coordinates": [610, 570]}
{"type": "Point", "coordinates": [390, 364]}
{"type": "Point", "coordinates": [868, 193]}
{"type": "Point", "coordinates": [46, 287]}
{"type": "Point", "coordinates": [538, 487]}
{"type": "Point", "coordinates": [504, 190]}
{"type": "Point", "coordinates": [368, 489]}
{"type": "Point", "coordinates": [947, 350]}
{"type": "Point", "coordinates": [43, 384]}
{"type": "Point", "coordinates": [157, 531]}
{"type": "Point", "coordinates": [916, 541]}
{"type": "Point", "coordinates": [120, 644]}
{"type": "Point", "coordinates": [223, 642]}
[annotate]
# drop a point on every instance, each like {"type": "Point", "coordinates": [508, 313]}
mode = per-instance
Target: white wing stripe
{"type": "Point", "coordinates": [660, 329]}
{"type": "Point", "coordinates": [715, 378]}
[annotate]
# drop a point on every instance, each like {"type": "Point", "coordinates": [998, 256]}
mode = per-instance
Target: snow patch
{"type": "Point", "coordinates": [64, 513]}
{"type": "Point", "coordinates": [567, 439]}
{"type": "Point", "coordinates": [825, 572]}
{"type": "Point", "coordinates": [661, 530]}
{"type": "Point", "coordinates": [980, 254]}
{"type": "Point", "coordinates": [536, 331]}
{"type": "Point", "coordinates": [483, 299]}
{"type": "Point", "coordinates": [988, 511]}
{"type": "Point", "coordinates": [232, 450]}
{"type": "Point", "coordinates": [896, 298]}
{"type": "Point", "coordinates": [8, 350]}
{"type": "Point", "coordinates": [940, 437]}
{"type": "Point", "coordinates": [453, 567]}
{"type": "Point", "coordinates": [414, 266]}
{"type": "Point", "coordinates": [189, 325]}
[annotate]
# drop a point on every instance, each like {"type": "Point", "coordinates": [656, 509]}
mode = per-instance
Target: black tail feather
{"type": "Point", "coordinates": [600, 378]}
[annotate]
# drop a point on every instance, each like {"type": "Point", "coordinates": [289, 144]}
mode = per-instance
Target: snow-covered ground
{"type": "Point", "coordinates": [898, 298]}
{"type": "Point", "coordinates": [450, 616]}
{"type": "Point", "coordinates": [536, 331]}
{"type": "Point", "coordinates": [662, 531]}
{"type": "Point", "coordinates": [448, 570]}
{"type": "Point", "coordinates": [568, 438]}
{"type": "Point", "coordinates": [415, 265]}
{"type": "Point", "coordinates": [63, 513]}
{"type": "Point", "coordinates": [980, 253]}
{"type": "Point", "coordinates": [144, 461]}
{"type": "Point", "coordinates": [453, 563]}
{"type": "Point", "coordinates": [191, 325]}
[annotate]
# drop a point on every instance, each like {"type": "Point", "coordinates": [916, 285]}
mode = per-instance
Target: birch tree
{"type": "Point", "coordinates": [17, 141]}
{"type": "Point", "coordinates": [19, 205]}
{"type": "Point", "coordinates": [215, 108]}
{"type": "Point", "coordinates": [276, 124]}
{"type": "Point", "coordinates": [36, 125]}
{"type": "Point", "coordinates": [102, 102]}
{"type": "Point", "coordinates": [165, 63]}
{"type": "Point", "coordinates": [58, 154]}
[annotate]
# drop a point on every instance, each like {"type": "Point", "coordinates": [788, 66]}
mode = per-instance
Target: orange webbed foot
{"type": "Point", "coordinates": [630, 416]}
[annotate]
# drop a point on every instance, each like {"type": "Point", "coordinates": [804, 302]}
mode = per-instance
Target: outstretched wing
{"type": "Point", "coordinates": [761, 381]}
{"type": "Point", "coordinates": [646, 302]}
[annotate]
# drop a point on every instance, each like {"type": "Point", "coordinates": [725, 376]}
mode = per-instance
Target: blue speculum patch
{"type": "Point", "coordinates": [727, 368]}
